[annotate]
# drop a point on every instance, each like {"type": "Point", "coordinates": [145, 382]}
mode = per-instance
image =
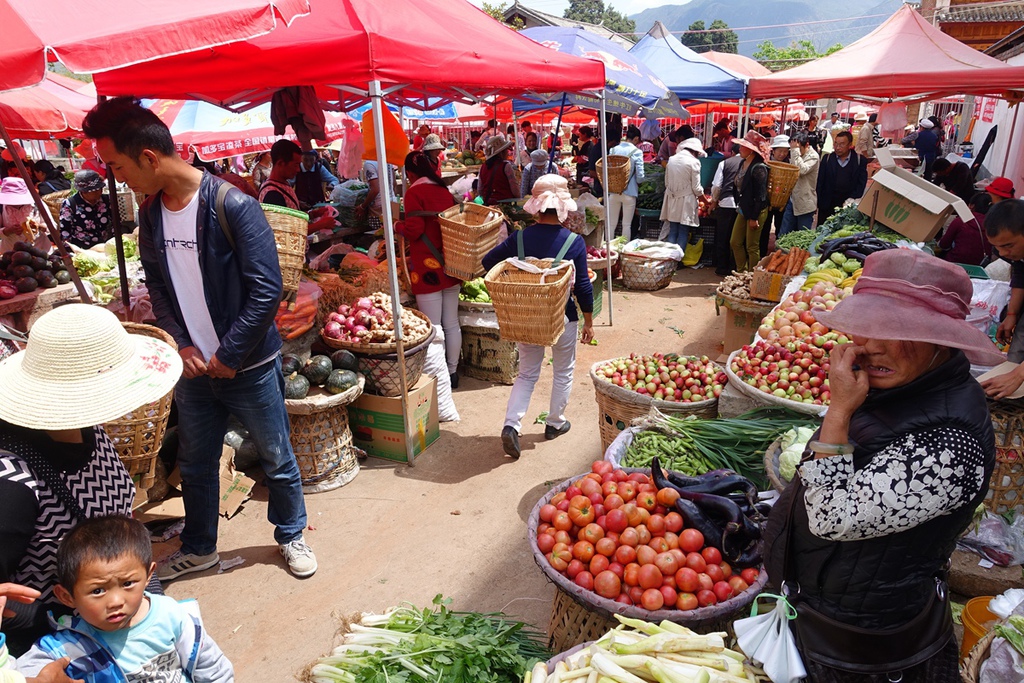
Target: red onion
{"type": "Point", "coordinates": [361, 317]}
{"type": "Point", "coordinates": [364, 303]}
{"type": "Point", "coordinates": [333, 330]}
{"type": "Point", "coordinates": [345, 309]}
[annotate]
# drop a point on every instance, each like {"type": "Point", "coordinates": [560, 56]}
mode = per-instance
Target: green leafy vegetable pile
{"type": "Point", "coordinates": [475, 291]}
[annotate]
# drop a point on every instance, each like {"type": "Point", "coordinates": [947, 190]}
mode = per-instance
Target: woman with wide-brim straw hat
{"type": "Point", "coordinates": [497, 175]}
{"type": "Point", "coordinates": [751, 200]}
{"type": "Point", "coordinates": [432, 147]}
{"type": "Point", "coordinates": [551, 203]}
{"type": "Point", "coordinates": [863, 535]}
{"type": "Point", "coordinates": [79, 370]}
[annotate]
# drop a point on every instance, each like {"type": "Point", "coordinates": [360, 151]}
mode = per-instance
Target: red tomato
{"type": "Point", "coordinates": [564, 505]}
{"type": "Point", "coordinates": [599, 510]}
{"type": "Point", "coordinates": [667, 563]}
{"type": "Point", "coordinates": [613, 502]}
{"type": "Point", "coordinates": [624, 599]}
{"type": "Point", "coordinates": [591, 488]}
{"type": "Point", "coordinates": [557, 498]}
{"type": "Point", "coordinates": [596, 499]}
{"type": "Point", "coordinates": [645, 554]}
{"type": "Point", "coordinates": [674, 522]}
{"type": "Point", "coordinates": [726, 569]}
{"type": "Point", "coordinates": [648, 488]}
{"type": "Point", "coordinates": [659, 544]}
{"type": "Point", "coordinates": [542, 528]}
{"type": "Point", "coordinates": [547, 512]}
{"type": "Point", "coordinates": [560, 559]}
{"type": "Point", "coordinates": [738, 584]}
{"type": "Point", "coordinates": [559, 547]}
{"type": "Point", "coordinates": [605, 546]}
{"type": "Point", "coordinates": [695, 561]}
{"type": "Point", "coordinates": [657, 525]}
{"type": "Point", "coordinates": [669, 594]}
{"type": "Point", "coordinates": [596, 477]}
{"type": "Point", "coordinates": [647, 501]}
{"type": "Point", "coordinates": [607, 477]}
{"type": "Point", "coordinates": [563, 537]}
{"type": "Point", "coordinates": [659, 509]}
{"type": "Point", "coordinates": [572, 491]}
{"type": "Point", "coordinates": [686, 601]}
{"type": "Point", "coordinates": [609, 487]}
{"type": "Point", "coordinates": [627, 490]}
{"type": "Point", "coordinates": [650, 576]}
{"type": "Point", "coordinates": [667, 497]}
{"type": "Point", "coordinates": [616, 521]}
{"type": "Point", "coordinates": [574, 568]}
{"type": "Point", "coordinates": [750, 575]}
{"type": "Point", "coordinates": [631, 574]}
{"type": "Point", "coordinates": [705, 582]}
{"type": "Point", "coordinates": [607, 585]}
{"type": "Point", "coordinates": [581, 511]}
{"type": "Point", "coordinates": [715, 572]}
{"type": "Point", "coordinates": [706, 597]}
{"type": "Point", "coordinates": [598, 564]}
{"type": "Point", "coordinates": [691, 541]}
{"type": "Point", "coordinates": [625, 554]}
{"type": "Point", "coordinates": [601, 467]}
{"type": "Point", "coordinates": [583, 551]}
{"type": "Point", "coordinates": [723, 591]}
{"type": "Point", "coordinates": [652, 599]}
{"type": "Point", "coordinates": [585, 580]}
{"type": "Point", "coordinates": [635, 593]}
{"type": "Point", "coordinates": [629, 537]}
{"type": "Point", "coordinates": [712, 555]}
{"type": "Point", "coordinates": [617, 569]}
{"type": "Point", "coordinates": [679, 555]}
{"type": "Point", "coordinates": [545, 543]}
{"type": "Point", "coordinates": [644, 533]}
{"type": "Point", "coordinates": [592, 533]}
{"type": "Point", "coordinates": [613, 535]}
{"type": "Point", "coordinates": [639, 478]}
{"type": "Point", "coordinates": [620, 475]}
{"type": "Point", "coordinates": [632, 514]}
{"type": "Point", "coordinates": [672, 540]}
{"type": "Point", "coordinates": [602, 521]}
{"type": "Point", "coordinates": [687, 581]}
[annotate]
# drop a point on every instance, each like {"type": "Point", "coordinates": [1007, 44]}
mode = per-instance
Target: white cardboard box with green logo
{"type": "Point", "coordinates": [910, 205]}
{"type": "Point", "coordinates": [377, 426]}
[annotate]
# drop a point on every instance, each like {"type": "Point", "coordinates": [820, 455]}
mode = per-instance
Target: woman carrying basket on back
{"type": "Point", "coordinates": [551, 202]}
{"type": "Point", "coordinates": [437, 294]}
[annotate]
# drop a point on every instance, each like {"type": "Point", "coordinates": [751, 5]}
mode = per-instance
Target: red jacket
{"type": "Point", "coordinates": [425, 271]}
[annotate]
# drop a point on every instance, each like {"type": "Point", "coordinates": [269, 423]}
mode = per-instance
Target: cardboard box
{"type": "Point", "coordinates": [740, 328]}
{"type": "Point", "coordinates": [235, 489]}
{"type": "Point", "coordinates": [378, 428]}
{"type": "Point", "coordinates": [910, 205]}
{"type": "Point", "coordinates": [768, 286]}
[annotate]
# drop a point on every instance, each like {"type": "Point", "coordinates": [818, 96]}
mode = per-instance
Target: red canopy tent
{"type": "Point", "coordinates": [50, 109]}
{"type": "Point", "coordinates": [738, 63]}
{"type": "Point", "coordinates": [396, 51]}
{"type": "Point", "coordinates": [905, 58]}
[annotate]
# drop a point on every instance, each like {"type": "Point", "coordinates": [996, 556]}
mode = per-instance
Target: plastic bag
{"type": "Point", "coordinates": [991, 297]}
{"type": "Point", "coordinates": [350, 161]}
{"type": "Point", "coordinates": [348, 193]}
{"type": "Point", "coordinates": [461, 187]}
{"type": "Point", "coordinates": [321, 259]}
{"type": "Point", "coordinates": [996, 540]}
{"type": "Point", "coordinates": [768, 640]}
{"type": "Point", "coordinates": [999, 270]}
{"type": "Point", "coordinates": [694, 251]}
{"type": "Point", "coordinates": [892, 119]}
{"type": "Point", "coordinates": [658, 250]}
{"type": "Point", "coordinates": [296, 322]}
{"type": "Point", "coordinates": [616, 450]}
{"type": "Point", "coordinates": [436, 366]}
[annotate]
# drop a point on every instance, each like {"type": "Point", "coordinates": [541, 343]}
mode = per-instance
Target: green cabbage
{"type": "Point", "coordinates": [89, 263]}
{"type": "Point", "coordinates": [793, 444]}
{"type": "Point", "coordinates": [131, 249]}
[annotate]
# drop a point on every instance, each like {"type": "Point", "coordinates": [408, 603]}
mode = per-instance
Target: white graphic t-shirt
{"type": "Point", "coordinates": [182, 249]}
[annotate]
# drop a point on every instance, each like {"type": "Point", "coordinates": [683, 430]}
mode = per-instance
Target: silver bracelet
{"type": "Point", "coordinates": [831, 448]}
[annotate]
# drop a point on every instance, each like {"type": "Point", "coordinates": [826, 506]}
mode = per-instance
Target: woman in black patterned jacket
{"type": "Point", "coordinates": [80, 369]}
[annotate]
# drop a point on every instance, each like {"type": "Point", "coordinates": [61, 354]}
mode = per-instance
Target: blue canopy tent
{"type": "Point", "coordinates": [688, 75]}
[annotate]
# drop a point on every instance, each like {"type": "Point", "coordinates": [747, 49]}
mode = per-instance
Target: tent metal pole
{"type": "Point", "coordinates": [556, 134]}
{"type": "Point", "coordinates": [47, 218]}
{"type": "Point", "coordinates": [377, 107]}
{"type": "Point", "coordinates": [401, 121]}
{"type": "Point", "coordinates": [604, 200]}
{"type": "Point", "coordinates": [515, 131]}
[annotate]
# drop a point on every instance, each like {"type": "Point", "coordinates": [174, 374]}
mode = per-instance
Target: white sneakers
{"type": "Point", "coordinates": [300, 558]}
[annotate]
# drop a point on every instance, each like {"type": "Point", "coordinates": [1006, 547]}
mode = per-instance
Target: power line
{"type": "Point", "coordinates": [752, 28]}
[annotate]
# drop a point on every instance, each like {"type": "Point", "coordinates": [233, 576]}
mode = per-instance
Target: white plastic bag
{"type": "Point", "coordinates": [436, 365]}
{"type": "Point", "coordinates": [658, 250]}
{"type": "Point", "coordinates": [768, 640]}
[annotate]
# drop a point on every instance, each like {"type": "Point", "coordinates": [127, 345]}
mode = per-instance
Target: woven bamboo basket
{"type": "Point", "coordinates": [644, 273]}
{"type": "Point", "coordinates": [382, 372]}
{"type": "Point", "coordinates": [290, 229]}
{"type": "Point", "coordinates": [530, 306]}
{"type": "Point", "coordinates": [782, 179]}
{"type": "Point", "coordinates": [54, 200]}
{"type": "Point", "coordinates": [383, 348]}
{"type": "Point", "coordinates": [617, 407]}
{"type": "Point", "coordinates": [488, 357]}
{"type": "Point", "coordinates": [468, 232]}
{"type": "Point", "coordinates": [970, 669]}
{"type": "Point", "coordinates": [618, 173]}
{"type": "Point", "coordinates": [771, 466]}
{"type": "Point", "coordinates": [1006, 487]}
{"type": "Point", "coordinates": [580, 615]}
{"type": "Point", "coordinates": [139, 435]}
{"type": "Point", "coordinates": [322, 440]}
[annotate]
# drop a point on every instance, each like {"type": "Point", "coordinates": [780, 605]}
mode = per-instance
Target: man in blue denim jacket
{"type": "Point", "coordinates": [216, 290]}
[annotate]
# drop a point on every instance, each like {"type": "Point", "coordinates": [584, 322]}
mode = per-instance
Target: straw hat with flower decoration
{"type": "Point", "coordinates": [81, 368]}
{"type": "Point", "coordinates": [496, 144]}
{"type": "Point", "coordinates": [756, 142]}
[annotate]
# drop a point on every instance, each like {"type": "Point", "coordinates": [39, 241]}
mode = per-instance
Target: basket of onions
{"type": "Point", "coordinates": [368, 326]}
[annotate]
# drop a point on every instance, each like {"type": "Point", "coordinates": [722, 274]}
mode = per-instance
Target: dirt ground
{"type": "Point", "coordinates": [454, 524]}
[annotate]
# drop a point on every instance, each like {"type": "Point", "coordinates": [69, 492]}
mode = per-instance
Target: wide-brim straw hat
{"type": "Point", "coordinates": [496, 144]}
{"type": "Point", "coordinates": [432, 142]}
{"type": "Point", "coordinates": [908, 295]}
{"type": "Point", "coordinates": [755, 142]}
{"type": "Point", "coordinates": [550, 191]}
{"type": "Point", "coordinates": [81, 368]}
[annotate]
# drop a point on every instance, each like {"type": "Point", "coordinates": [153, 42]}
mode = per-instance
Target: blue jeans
{"type": "Point", "coordinates": [678, 233]}
{"type": "Point", "coordinates": [791, 222]}
{"type": "Point", "coordinates": [256, 398]}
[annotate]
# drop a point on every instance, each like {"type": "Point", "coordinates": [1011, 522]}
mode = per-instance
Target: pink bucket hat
{"type": "Point", "coordinates": [14, 192]}
{"type": "Point", "coordinates": [909, 295]}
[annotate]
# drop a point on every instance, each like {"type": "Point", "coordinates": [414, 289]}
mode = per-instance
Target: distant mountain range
{"type": "Point", "coordinates": [739, 13]}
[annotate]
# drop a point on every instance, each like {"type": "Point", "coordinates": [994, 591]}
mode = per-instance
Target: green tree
{"type": "Point", "coordinates": [722, 38]}
{"type": "Point", "coordinates": [596, 12]}
{"type": "Point", "coordinates": [799, 52]}
{"type": "Point", "coordinates": [497, 11]}
{"type": "Point", "coordinates": [695, 38]}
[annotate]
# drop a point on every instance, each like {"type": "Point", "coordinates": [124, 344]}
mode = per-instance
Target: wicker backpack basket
{"type": "Point", "coordinates": [618, 173]}
{"type": "Point", "coordinates": [782, 179]}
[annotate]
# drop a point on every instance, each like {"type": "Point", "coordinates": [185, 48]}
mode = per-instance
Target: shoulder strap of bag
{"type": "Point", "coordinates": [565, 247]}
{"type": "Point", "coordinates": [433, 249]}
{"type": "Point", "coordinates": [519, 245]}
{"type": "Point", "coordinates": [222, 214]}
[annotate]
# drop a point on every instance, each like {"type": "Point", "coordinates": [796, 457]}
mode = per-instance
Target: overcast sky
{"type": "Point", "coordinates": [557, 7]}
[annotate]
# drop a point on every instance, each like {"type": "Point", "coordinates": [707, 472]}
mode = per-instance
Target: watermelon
{"type": "Point", "coordinates": [340, 381]}
{"type": "Point", "coordinates": [344, 360]}
{"type": "Point", "coordinates": [317, 369]}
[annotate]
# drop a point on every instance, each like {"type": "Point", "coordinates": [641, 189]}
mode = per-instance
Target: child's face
{"type": "Point", "coordinates": [109, 593]}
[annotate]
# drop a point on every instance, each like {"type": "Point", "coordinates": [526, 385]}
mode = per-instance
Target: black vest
{"type": "Point", "coordinates": [884, 582]}
{"type": "Point", "coordinates": [730, 169]}
{"type": "Point", "coordinates": [309, 188]}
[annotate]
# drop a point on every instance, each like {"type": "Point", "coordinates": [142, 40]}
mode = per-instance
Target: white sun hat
{"type": "Point", "coordinates": [551, 191]}
{"type": "Point", "coordinates": [81, 368]}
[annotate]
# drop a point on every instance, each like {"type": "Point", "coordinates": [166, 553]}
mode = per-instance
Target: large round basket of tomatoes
{"type": "Point", "coordinates": [612, 541]}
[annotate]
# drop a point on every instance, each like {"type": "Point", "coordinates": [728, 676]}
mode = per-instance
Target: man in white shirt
{"type": "Point", "coordinates": [215, 285]}
{"type": "Point", "coordinates": [831, 122]}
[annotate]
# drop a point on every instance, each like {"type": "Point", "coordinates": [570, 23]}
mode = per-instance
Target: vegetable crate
{"type": "Point", "coordinates": [488, 357]}
{"type": "Point", "coordinates": [650, 224]}
{"type": "Point", "coordinates": [322, 440]}
{"type": "Point", "coordinates": [1006, 487]}
{"type": "Point", "coordinates": [767, 286]}
{"type": "Point", "coordinates": [617, 407]}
